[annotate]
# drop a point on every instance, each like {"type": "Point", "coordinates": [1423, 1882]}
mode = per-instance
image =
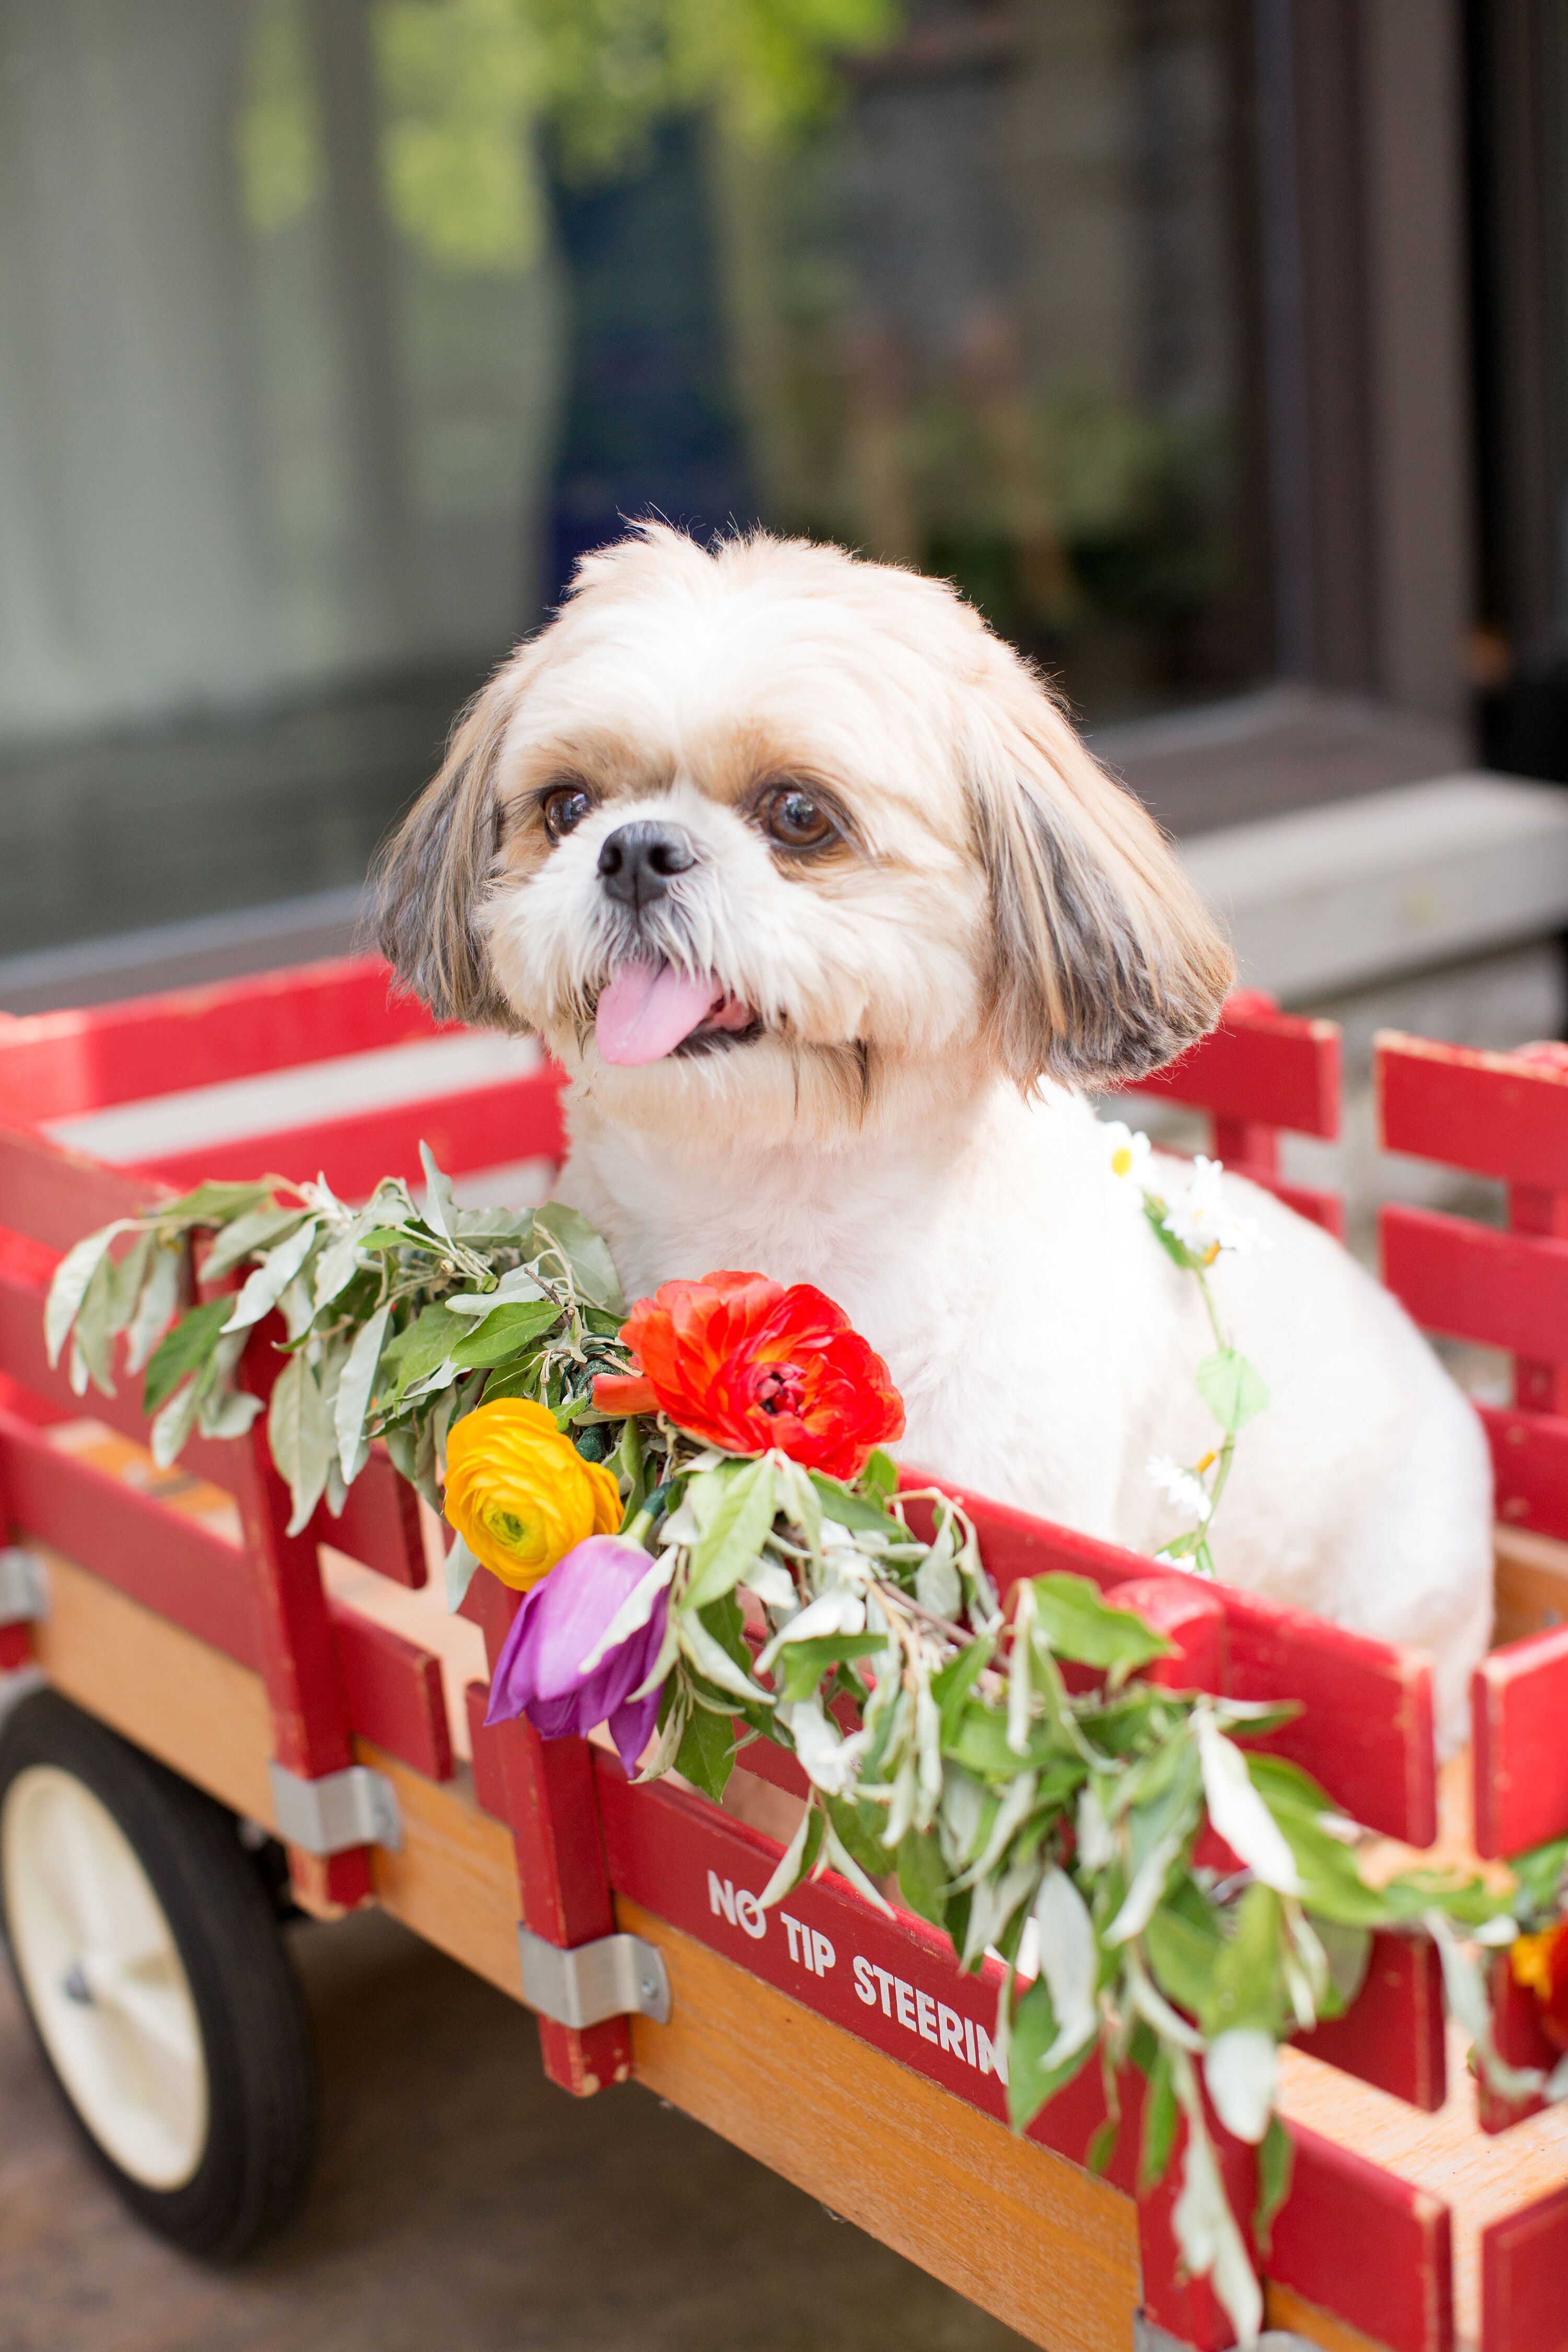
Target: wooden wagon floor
{"type": "Point", "coordinates": [463, 2202]}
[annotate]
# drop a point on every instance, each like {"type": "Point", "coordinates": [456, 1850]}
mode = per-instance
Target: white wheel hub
{"type": "Point", "coordinates": [103, 1977]}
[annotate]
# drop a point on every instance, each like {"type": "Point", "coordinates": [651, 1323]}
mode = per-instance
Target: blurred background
{"type": "Point", "coordinates": [1214, 347]}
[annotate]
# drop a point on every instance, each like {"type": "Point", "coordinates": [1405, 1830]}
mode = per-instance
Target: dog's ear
{"type": "Point", "coordinates": [1107, 962]}
{"type": "Point", "coordinates": [431, 877]}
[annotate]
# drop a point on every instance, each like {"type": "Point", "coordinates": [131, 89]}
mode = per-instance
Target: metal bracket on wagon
{"type": "Point", "coordinates": [24, 1587]}
{"type": "Point", "coordinates": [617, 1976]}
{"type": "Point", "coordinates": [336, 1812]}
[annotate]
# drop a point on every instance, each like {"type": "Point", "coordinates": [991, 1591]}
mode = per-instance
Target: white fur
{"type": "Point", "coordinates": [874, 1139]}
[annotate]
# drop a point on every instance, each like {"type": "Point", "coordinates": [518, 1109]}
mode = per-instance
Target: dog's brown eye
{"type": "Point", "coordinates": [797, 821]}
{"type": "Point", "coordinates": [564, 809]}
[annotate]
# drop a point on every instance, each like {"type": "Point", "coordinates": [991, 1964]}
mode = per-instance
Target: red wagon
{"type": "Point", "coordinates": [205, 1716]}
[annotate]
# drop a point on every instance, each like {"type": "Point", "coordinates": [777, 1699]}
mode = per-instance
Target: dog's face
{"type": "Point", "coordinates": [761, 836]}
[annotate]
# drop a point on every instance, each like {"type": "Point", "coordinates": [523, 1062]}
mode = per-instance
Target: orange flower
{"type": "Point", "coordinates": [746, 1364]}
{"type": "Point", "coordinates": [1540, 1962]}
{"type": "Point", "coordinates": [520, 1494]}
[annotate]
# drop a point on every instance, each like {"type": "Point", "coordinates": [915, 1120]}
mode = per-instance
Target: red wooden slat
{"type": "Point", "coordinates": [394, 1693]}
{"type": "Point", "coordinates": [1369, 2247]}
{"type": "Point", "coordinates": [1525, 2262]}
{"type": "Point", "coordinates": [1499, 1114]}
{"type": "Point", "coordinates": [513, 1118]}
{"type": "Point", "coordinates": [490, 1780]}
{"type": "Point", "coordinates": [55, 1196]}
{"type": "Point", "coordinates": [1266, 1067]}
{"type": "Point", "coordinates": [300, 1658]}
{"type": "Point", "coordinates": [60, 1064]}
{"type": "Point", "coordinates": [380, 1523]}
{"type": "Point", "coordinates": [1519, 1716]}
{"type": "Point", "coordinates": [892, 1982]}
{"type": "Point", "coordinates": [1325, 1209]}
{"type": "Point", "coordinates": [1516, 2030]}
{"type": "Point", "coordinates": [1503, 1290]}
{"type": "Point", "coordinates": [701, 1871]}
{"type": "Point", "coordinates": [133, 1541]}
{"type": "Point", "coordinates": [1393, 2032]}
{"type": "Point", "coordinates": [551, 1806]}
{"type": "Point", "coordinates": [1365, 1729]}
{"type": "Point", "coordinates": [1530, 1462]}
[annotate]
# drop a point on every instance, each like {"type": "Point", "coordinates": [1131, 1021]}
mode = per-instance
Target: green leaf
{"type": "Point", "coordinates": [880, 1474]}
{"type": "Point", "coordinates": [1159, 2122]}
{"type": "Point", "coordinates": [1181, 1956]}
{"type": "Point", "coordinates": [129, 1276]}
{"type": "Point", "coordinates": [506, 1332]}
{"type": "Point", "coordinates": [585, 1251]}
{"type": "Point", "coordinates": [853, 1510]}
{"type": "Point", "coordinates": [951, 1684]}
{"type": "Point", "coordinates": [299, 1437]}
{"type": "Point", "coordinates": [259, 1229]}
{"type": "Point", "coordinates": [707, 1752]}
{"type": "Point", "coordinates": [190, 1343]}
{"type": "Point", "coordinates": [390, 1237]}
{"type": "Point", "coordinates": [724, 1620]}
{"type": "Point", "coordinates": [519, 1380]}
{"type": "Point", "coordinates": [857, 1824]}
{"type": "Point", "coordinates": [422, 1348]}
{"type": "Point", "coordinates": [94, 1338]}
{"type": "Point", "coordinates": [1539, 1875]}
{"type": "Point", "coordinates": [1276, 2162]}
{"type": "Point", "coordinates": [271, 1277]}
{"type": "Point", "coordinates": [1347, 1950]}
{"type": "Point", "coordinates": [1233, 1392]}
{"type": "Point", "coordinates": [980, 1743]}
{"type": "Point", "coordinates": [1331, 1884]}
{"type": "Point", "coordinates": [1102, 2148]}
{"type": "Point", "coordinates": [69, 1287]}
{"type": "Point", "coordinates": [806, 1662]}
{"type": "Point", "coordinates": [734, 1534]}
{"type": "Point", "coordinates": [922, 1880]}
{"type": "Point", "coordinates": [212, 1204]}
{"type": "Point", "coordinates": [155, 1308]}
{"type": "Point", "coordinates": [1246, 1987]}
{"type": "Point", "coordinates": [1029, 2084]}
{"type": "Point", "coordinates": [355, 1388]}
{"type": "Point", "coordinates": [1078, 1625]}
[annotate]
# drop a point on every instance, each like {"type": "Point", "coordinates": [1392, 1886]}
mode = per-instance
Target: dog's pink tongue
{"type": "Point", "coordinates": [646, 1012]}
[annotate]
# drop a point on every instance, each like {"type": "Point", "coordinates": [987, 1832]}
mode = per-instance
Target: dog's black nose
{"type": "Point", "coordinates": [637, 860]}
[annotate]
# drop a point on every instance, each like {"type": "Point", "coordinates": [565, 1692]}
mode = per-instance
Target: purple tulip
{"type": "Point", "coordinates": [563, 1618]}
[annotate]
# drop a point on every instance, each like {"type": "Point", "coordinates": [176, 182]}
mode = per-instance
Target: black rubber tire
{"type": "Point", "coordinates": [260, 2146]}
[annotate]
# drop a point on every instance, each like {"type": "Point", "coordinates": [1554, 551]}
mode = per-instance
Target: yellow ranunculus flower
{"type": "Point", "coordinates": [520, 1494]}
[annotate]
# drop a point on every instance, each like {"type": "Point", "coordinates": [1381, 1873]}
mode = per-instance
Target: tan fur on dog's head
{"type": "Point", "coordinates": [987, 899]}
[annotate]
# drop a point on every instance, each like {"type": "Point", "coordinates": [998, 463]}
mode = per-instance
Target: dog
{"type": "Point", "coordinates": [833, 920]}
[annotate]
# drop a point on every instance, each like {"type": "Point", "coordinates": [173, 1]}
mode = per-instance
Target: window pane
{"type": "Point", "coordinates": [331, 331]}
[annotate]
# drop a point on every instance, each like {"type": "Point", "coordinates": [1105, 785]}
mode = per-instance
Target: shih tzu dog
{"type": "Point", "coordinates": [830, 916]}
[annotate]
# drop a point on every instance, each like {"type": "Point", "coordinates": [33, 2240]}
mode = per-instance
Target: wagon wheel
{"type": "Point", "coordinates": [150, 1962]}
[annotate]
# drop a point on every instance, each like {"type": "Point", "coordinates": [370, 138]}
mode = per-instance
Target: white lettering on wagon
{"type": "Point", "coordinates": [933, 2020]}
{"type": "Point", "coordinates": [740, 1909]}
{"type": "Point", "coordinates": [918, 2012]}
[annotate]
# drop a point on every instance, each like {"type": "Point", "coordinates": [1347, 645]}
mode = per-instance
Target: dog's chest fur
{"type": "Point", "coordinates": [985, 1260]}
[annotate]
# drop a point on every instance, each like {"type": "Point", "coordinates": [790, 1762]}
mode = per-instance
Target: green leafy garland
{"type": "Point", "coordinates": [1055, 1829]}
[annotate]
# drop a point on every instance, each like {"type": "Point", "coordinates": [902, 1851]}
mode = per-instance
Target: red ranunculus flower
{"type": "Point", "coordinates": [746, 1364]}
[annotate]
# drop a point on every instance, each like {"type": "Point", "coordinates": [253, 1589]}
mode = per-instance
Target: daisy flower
{"type": "Point", "coordinates": [1201, 1219]}
{"type": "Point", "coordinates": [1181, 1486]}
{"type": "Point", "coordinates": [1126, 1154]}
